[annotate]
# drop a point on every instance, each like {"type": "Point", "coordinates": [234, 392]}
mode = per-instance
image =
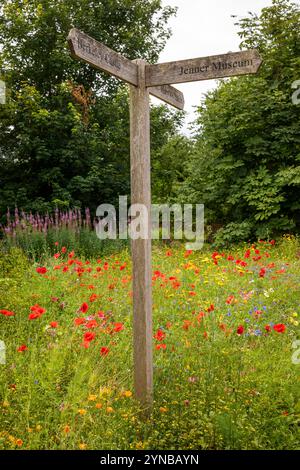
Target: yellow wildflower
{"type": "Point", "coordinates": [139, 445]}
{"type": "Point", "coordinates": [162, 409]}
{"type": "Point", "coordinates": [92, 398]}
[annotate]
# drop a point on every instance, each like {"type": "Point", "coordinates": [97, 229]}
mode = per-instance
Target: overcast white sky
{"type": "Point", "coordinates": [202, 28]}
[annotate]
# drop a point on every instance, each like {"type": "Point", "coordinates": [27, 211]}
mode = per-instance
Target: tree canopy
{"type": "Point", "coordinates": [64, 137]}
{"type": "Point", "coordinates": [245, 166]}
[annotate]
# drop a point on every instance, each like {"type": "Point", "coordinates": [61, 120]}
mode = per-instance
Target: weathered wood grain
{"type": "Point", "coordinates": [204, 68]}
{"type": "Point", "coordinates": [102, 57]}
{"type": "Point", "coordinates": [169, 94]}
{"type": "Point", "coordinates": [141, 248]}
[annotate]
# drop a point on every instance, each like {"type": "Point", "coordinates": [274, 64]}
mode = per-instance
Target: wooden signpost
{"type": "Point", "coordinates": [154, 79]}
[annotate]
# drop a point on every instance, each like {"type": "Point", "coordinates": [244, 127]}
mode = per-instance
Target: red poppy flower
{"type": "Point", "coordinates": [7, 313]}
{"type": "Point", "coordinates": [280, 328]}
{"type": "Point", "coordinates": [91, 324]}
{"type": "Point", "coordinates": [22, 348]}
{"type": "Point", "coordinates": [118, 327]}
{"type": "Point", "coordinates": [84, 307]}
{"type": "Point", "coordinates": [33, 316]}
{"type": "Point", "coordinates": [262, 272]}
{"type": "Point", "coordinates": [188, 253]}
{"type": "Point", "coordinates": [211, 308]}
{"type": "Point", "coordinates": [64, 249]}
{"type": "Point", "coordinates": [186, 324]}
{"type": "Point", "coordinates": [93, 297]}
{"type": "Point", "coordinates": [56, 255]}
{"type": "Point", "coordinates": [200, 316]}
{"type": "Point", "coordinates": [38, 309]}
{"type": "Point", "coordinates": [41, 270]}
{"type": "Point", "coordinates": [79, 321]}
{"type": "Point", "coordinates": [54, 324]}
{"type": "Point", "coordinates": [176, 284]}
{"type": "Point", "coordinates": [161, 346]}
{"type": "Point", "coordinates": [240, 330]}
{"type": "Point", "coordinates": [88, 336]}
{"type": "Point", "coordinates": [104, 351]}
{"type": "Point", "coordinates": [230, 299]}
{"type": "Point", "coordinates": [160, 335]}
{"type": "Point", "coordinates": [268, 328]}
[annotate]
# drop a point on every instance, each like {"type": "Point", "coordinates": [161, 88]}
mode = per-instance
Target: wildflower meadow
{"type": "Point", "coordinates": [226, 364]}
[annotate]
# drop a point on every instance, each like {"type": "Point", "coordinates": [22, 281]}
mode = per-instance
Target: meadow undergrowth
{"type": "Point", "coordinates": [224, 329]}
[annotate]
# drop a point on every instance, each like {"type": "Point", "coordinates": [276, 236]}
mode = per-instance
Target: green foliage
{"type": "Point", "coordinates": [246, 163]}
{"type": "Point", "coordinates": [13, 262]}
{"type": "Point", "coordinates": [233, 232]}
{"type": "Point", "coordinates": [64, 132]}
{"type": "Point", "coordinates": [38, 246]}
{"type": "Point", "coordinates": [169, 168]}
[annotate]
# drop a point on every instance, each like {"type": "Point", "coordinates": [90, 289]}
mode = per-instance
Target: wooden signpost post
{"type": "Point", "coordinates": [154, 79]}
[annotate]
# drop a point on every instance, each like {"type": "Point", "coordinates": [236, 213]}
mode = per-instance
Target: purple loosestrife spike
{"type": "Point", "coordinates": [88, 217]}
{"type": "Point", "coordinates": [17, 216]}
{"type": "Point", "coordinates": [56, 214]}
